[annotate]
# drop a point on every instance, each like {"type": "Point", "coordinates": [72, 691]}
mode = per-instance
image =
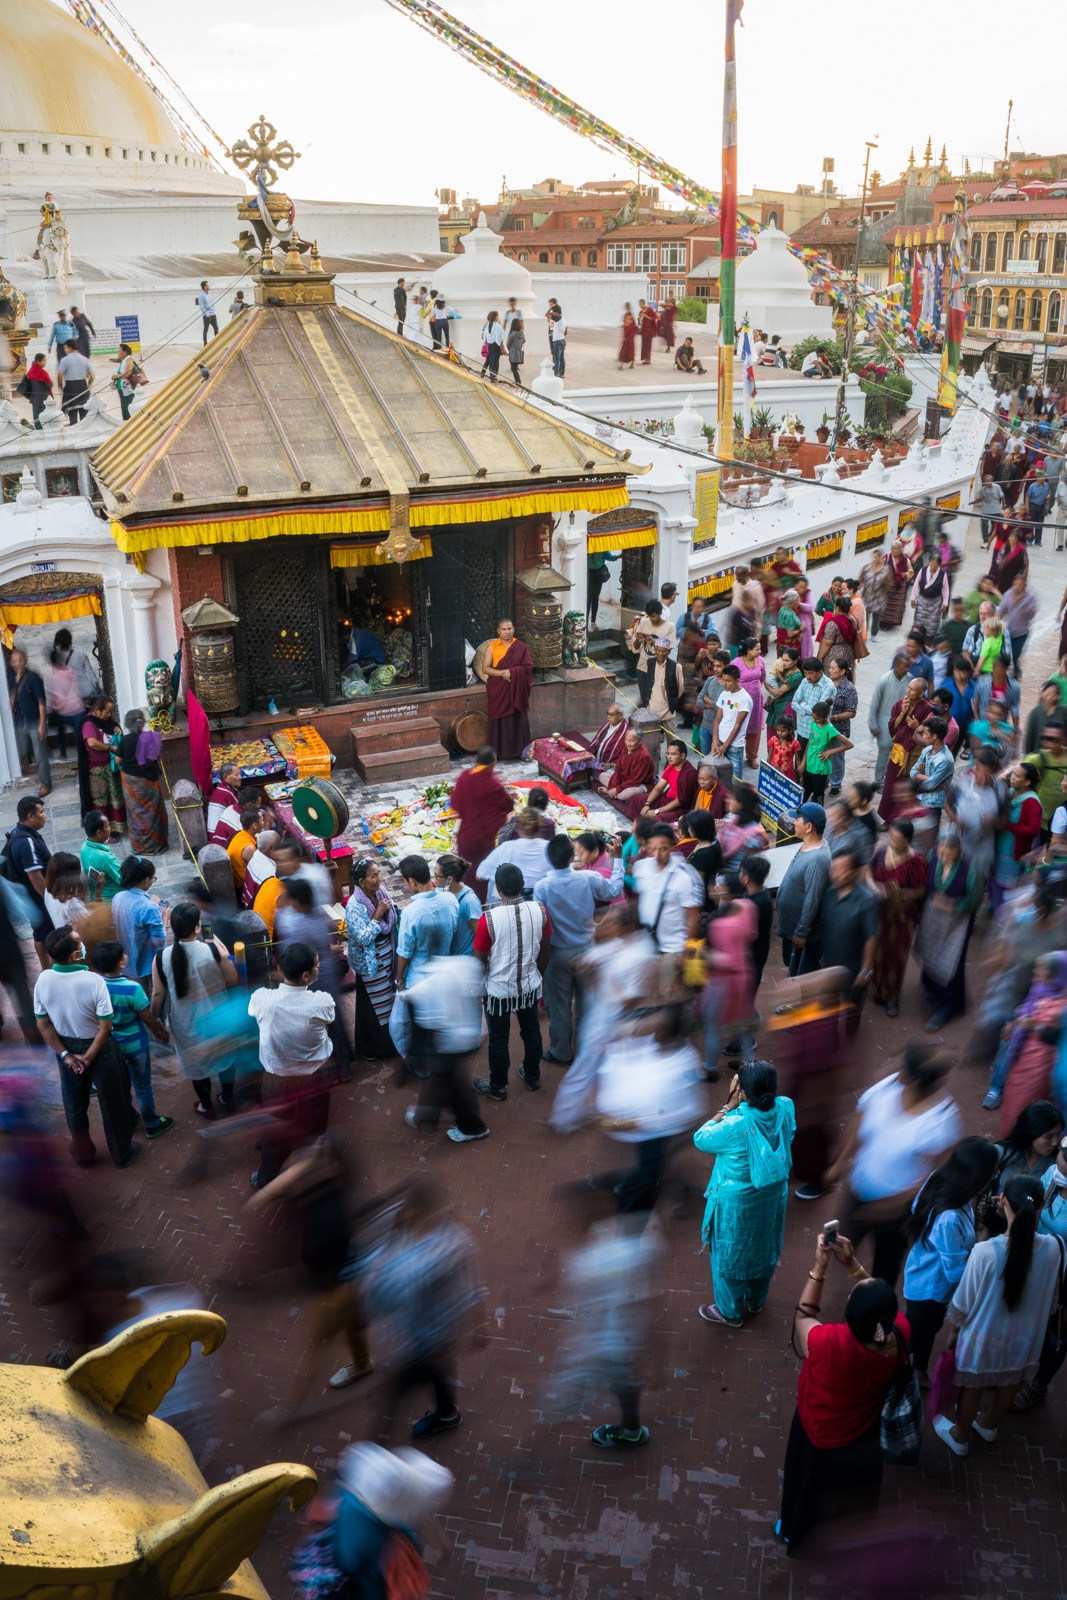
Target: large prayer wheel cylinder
{"type": "Point", "coordinates": [541, 614]}
{"type": "Point", "coordinates": [214, 665]}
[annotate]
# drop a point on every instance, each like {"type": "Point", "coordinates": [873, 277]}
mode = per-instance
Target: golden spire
{"type": "Point", "coordinates": [966, 166]}
{"type": "Point", "coordinates": [911, 157]}
{"type": "Point", "coordinates": [928, 153]}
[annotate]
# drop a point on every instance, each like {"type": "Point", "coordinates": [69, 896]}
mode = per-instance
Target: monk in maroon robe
{"type": "Point", "coordinates": [508, 682]}
{"type": "Point", "coordinates": [482, 804]}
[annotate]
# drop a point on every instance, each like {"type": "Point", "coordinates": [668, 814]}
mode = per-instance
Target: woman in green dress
{"type": "Point", "coordinates": [782, 682]}
{"type": "Point", "coordinates": [744, 1223]}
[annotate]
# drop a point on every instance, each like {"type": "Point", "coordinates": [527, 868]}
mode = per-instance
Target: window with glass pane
{"type": "Point", "coordinates": [970, 312]}
{"type": "Point", "coordinates": [991, 253]}
{"type": "Point", "coordinates": [560, 258]}
{"type": "Point", "coordinates": [976, 253]}
{"type": "Point", "coordinates": [1035, 313]}
{"type": "Point", "coordinates": [591, 258]}
{"type": "Point", "coordinates": [618, 258]}
{"type": "Point", "coordinates": [672, 257]}
{"type": "Point", "coordinates": [1018, 316]}
{"type": "Point", "coordinates": [61, 482]}
{"type": "Point", "coordinates": [1024, 246]}
{"type": "Point", "coordinates": [576, 258]}
{"type": "Point", "coordinates": [644, 256]}
{"type": "Point", "coordinates": [1059, 253]}
{"type": "Point", "coordinates": [11, 483]}
{"type": "Point", "coordinates": [986, 315]}
{"type": "Point", "coordinates": [1009, 251]}
{"type": "Point", "coordinates": [1041, 251]}
{"type": "Point", "coordinates": [1053, 313]}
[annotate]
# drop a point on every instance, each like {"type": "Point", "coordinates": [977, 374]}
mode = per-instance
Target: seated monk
{"type": "Point", "coordinates": [631, 779]}
{"type": "Point", "coordinates": [595, 754]}
{"type": "Point", "coordinates": [608, 742]}
{"type": "Point", "coordinates": [676, 791]}
{"type": "Point", "coordinates": [711, 795]}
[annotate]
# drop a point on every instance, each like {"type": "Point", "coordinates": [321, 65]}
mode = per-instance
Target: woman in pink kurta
{"type": "Point", "coordinates": [753, 670]}
{"type": "Point", "coordinates": [805, 610]}
{"type": "Point", "coordinates": [729, 1000]}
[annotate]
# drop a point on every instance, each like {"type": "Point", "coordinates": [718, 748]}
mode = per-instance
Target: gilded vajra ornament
{"type": "Point", "coordinates": [263, 155]}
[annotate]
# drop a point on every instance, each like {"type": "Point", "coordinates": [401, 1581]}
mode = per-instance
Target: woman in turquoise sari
{"type": "Point", "coordinates": [744, 1224]}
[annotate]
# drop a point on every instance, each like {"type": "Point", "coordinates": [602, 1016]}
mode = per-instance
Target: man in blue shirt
{"type": "Point", "coordinates": [932, 773]}
{"type": "Point", "coordinates": [571, 899]}
{"type": "Point", "coordinates": [207, 309]}
{"type": "Point", "coordinates": [140, 926]}
{"type": "Point", "coordinates": [427, 923]}
{"type": "Point", "coordinates": [63, 333]}
{"type": "Point", "coordinates": [919, 663]}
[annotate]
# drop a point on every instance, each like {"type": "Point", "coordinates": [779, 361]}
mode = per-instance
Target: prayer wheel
{"type": "Point", "coordinates": [541, 614]}
{"type": "Point", "coordinates": [211, 655]}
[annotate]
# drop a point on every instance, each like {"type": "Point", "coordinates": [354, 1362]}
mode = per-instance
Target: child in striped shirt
{"type": "Point", "coordinates": [131, 1015]}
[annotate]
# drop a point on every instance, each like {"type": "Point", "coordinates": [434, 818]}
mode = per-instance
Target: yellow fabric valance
{"type": "Point", "coordinates": [707, 588]}
{"type": "Point", "coordinates": [366, 555]}
{"type": "Point", "coordinates": [32, 611]}
{"type": "Point", "coordinates": [425, 513]}
{"type": "Point", "coordinates": [623, 538]}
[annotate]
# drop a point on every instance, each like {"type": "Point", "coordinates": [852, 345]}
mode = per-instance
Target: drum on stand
{"type": "Point", "coordinates": [322, 810]}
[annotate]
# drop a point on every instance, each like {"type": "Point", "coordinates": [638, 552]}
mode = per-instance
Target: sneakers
{"type": "Point", "coordinates": [1030, 1395]}
{"type": "Point", "coordinates": [346, 1375]}
{"type": "Point", "coordinates": [204, 1111]}
{"type": "Point", "coordinates": [162, 1126]}
{"type": "Point", "coordinates": [613, 1434]}
{"type": "Point", "coordinates": [992, 1101]}
{"type": "Point", "coordinates": [711, 1313]}
{"type": "Point", "coordinates": [809, 1191]}
{"type": "Point", "coordinates": [433, 1422]}
{"type": "Point", "coordinates": [531, 1083]}
{"type": "Point", "coordinates": [464, 1138]}
{"type": "Point", "coordinates": [483, 1086]}
{"type": "Point", "coordinates": [943, 1429]}
{"type": "Point", "coordinates": [988, 1434]}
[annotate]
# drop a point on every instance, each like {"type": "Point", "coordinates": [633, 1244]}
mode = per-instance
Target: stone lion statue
{"type": "Point", "coordinates": [159, 685]}
{"type": "Point", "coordinates": [574, 639]}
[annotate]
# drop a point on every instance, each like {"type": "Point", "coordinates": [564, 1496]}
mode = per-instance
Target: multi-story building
{"type": "Point", "coordinates": [1017, 278]}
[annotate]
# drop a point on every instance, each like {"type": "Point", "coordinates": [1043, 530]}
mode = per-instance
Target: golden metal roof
{"type": "Point", "coordinates": [304, 404]}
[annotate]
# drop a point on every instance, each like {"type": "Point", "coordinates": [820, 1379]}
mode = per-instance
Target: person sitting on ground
{"type": "Point", "coordinates": [536, 800]}
{"type": "Point", "coordinates": [685, 358]}
{"type": "Point", "coordinates": [815, 364]}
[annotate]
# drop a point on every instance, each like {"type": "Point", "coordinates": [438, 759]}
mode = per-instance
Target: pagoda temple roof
{"type": "Point", "coordinates": [307, 418]}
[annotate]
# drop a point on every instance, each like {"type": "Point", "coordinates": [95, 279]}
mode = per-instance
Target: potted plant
{"type": "Point", "coordinates": [763, 422]}
{"type": "Point", "coordinates": [822, 432]}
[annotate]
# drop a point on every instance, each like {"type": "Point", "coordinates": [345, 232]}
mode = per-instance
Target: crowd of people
{"type": "Point", "coordinates": [632, 962]}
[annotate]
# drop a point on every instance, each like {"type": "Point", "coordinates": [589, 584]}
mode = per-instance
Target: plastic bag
{"type": "Point", "coordinates": [943, 1384]}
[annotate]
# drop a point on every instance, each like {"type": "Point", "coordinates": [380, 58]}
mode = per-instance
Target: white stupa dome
{"type": "Point", "coordinates": [482, 272]}
{"type": "Point", "coordinates": [72, 113]}
{"type": "Point", "coordinates": [773, 291]}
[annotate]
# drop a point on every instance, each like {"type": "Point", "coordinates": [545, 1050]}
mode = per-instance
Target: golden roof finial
{"type": "Point", "coordinates": [928, 153]}
{"type": "Point", "coordinates": [966, 166]}
{"type": "Point", "coordinates": [315, 264]}
{"type": "Point", "coordinates": [911, 157]}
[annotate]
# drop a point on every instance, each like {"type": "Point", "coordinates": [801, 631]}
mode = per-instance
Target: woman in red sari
{"type": "Point", "coordinates": [629, 336]}
{"type": "Point", "coordinates": [900, 575]}
{"type": "Point", "coordinates": [649, 323]}
{"type": "Point", "coordinates": [482, 804]}
{"type": "Point", "coordinates": [904, 719]}
{"type": "Point", "coordinates": [508, 681]}
{"type": "Point", "coordinates": [899, 876]}
{"type": "Point", "coordinates": [837, 636]}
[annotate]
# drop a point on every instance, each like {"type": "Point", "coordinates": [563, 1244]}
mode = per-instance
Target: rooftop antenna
{"type": "Point", "coordinates": [1007, 131]}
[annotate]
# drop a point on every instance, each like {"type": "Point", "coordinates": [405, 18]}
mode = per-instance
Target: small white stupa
{"type": "Point", "coordinates": [482, 280]}
{"type": "Point", "coordinates": [773, 292]}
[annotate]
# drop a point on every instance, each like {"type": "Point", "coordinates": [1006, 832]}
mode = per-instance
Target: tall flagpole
{"type": "Point", "coordinates": [728, 238]}
{"type": "Point", "coordinates": [957, 310]}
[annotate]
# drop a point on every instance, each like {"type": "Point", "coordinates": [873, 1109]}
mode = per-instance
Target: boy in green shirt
{"type": "Point", "coordinates": [131, 1013]}
{"type": "Point", "coordinates": [99, 862]}
{"type": "Point", "coordinates": [824, 741]}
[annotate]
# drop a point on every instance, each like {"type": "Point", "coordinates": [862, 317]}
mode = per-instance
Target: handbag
{"type": "Point", "coordinates": [860, 650]}
{"type": "Point", "coordinates": [900, 1429]}
{"type": "Point", "coordinates": [24, 387]}
{"type": "Point", "coordinates": [138, 376]}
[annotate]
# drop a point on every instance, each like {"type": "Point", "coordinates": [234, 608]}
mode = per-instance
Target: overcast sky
{"type": "Point", "coordinates": [383, 112]}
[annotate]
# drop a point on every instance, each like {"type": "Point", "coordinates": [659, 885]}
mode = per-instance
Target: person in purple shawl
{"type": "Point", "coordinates": [146, 811]}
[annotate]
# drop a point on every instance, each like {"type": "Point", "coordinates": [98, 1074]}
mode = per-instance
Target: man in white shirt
{"type": "Point", "coordinates": [75, 380]}
{"type": "Point", "coordinates": [645, 630]}
{"type": "Point", "coordinates": [557, 338]}
{"type": "Point", "coordinates": [294, 1023]}
{"type": "Point", "coordinates": [79, 662]}
{"type": "Point", "coordinates": [528, 851]}
{"type": "Point", "coordinates": [73, 1010]}
{"type": "Point", "coordinates": [815, 364]}
{"type": "Point", "coordinates": [733, 707]}
{"type": "Point", "coordinates": [669, 893]}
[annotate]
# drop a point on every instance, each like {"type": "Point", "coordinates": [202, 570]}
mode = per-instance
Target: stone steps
{"type": "Point", "coordinates": [407, 747]}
